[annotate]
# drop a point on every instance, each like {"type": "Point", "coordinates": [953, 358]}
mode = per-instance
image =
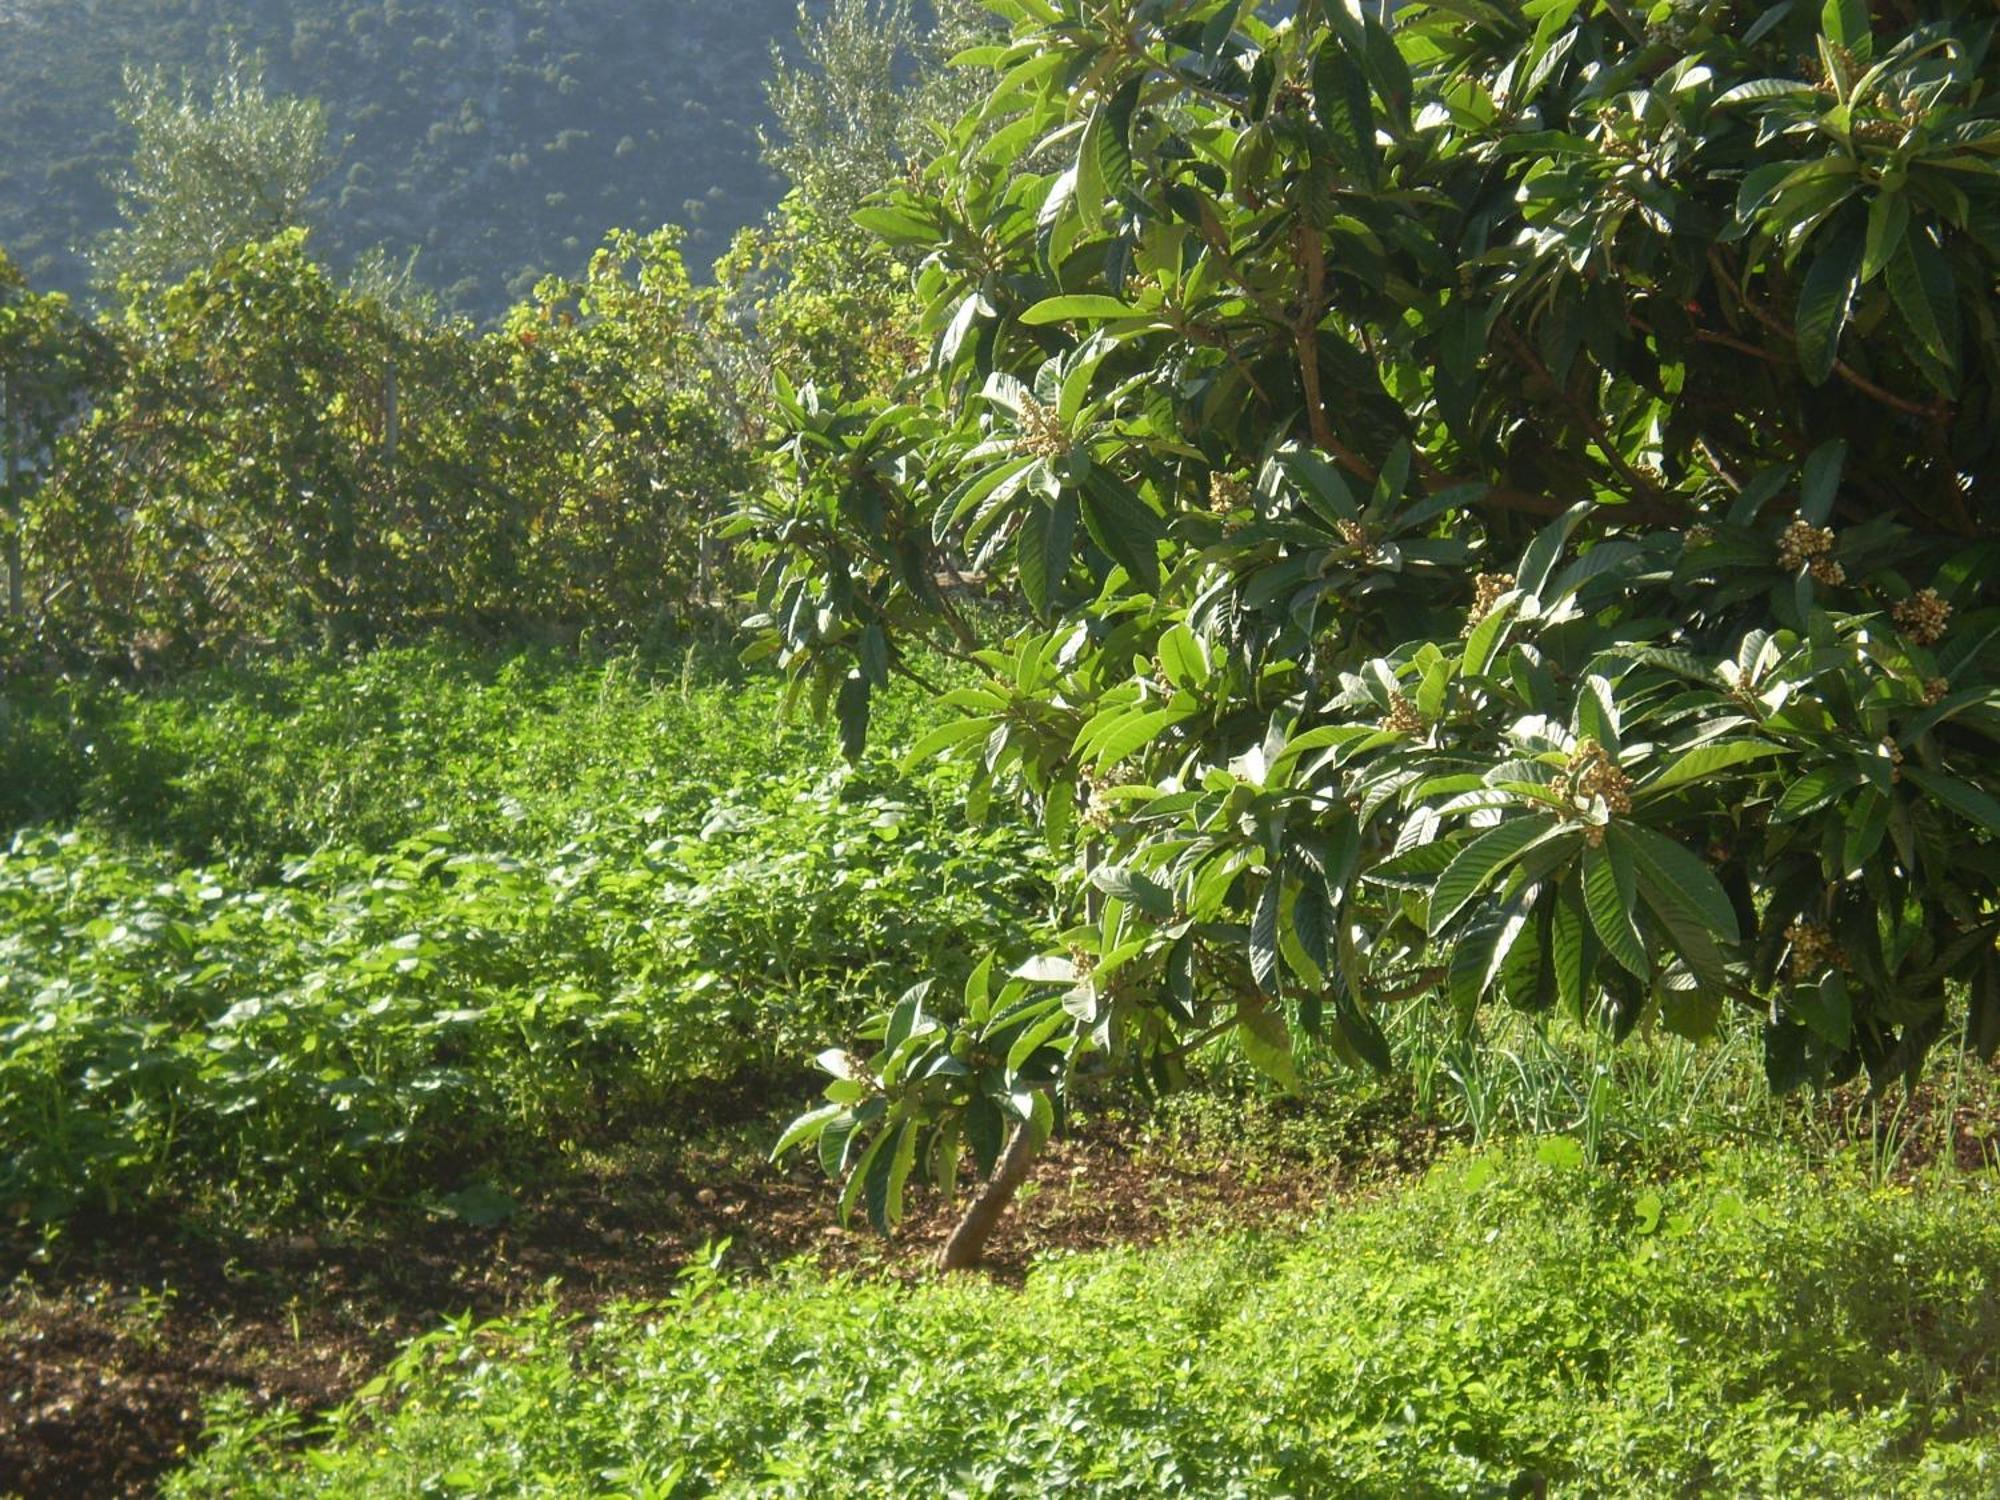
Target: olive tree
{"type": "Point", "coordinates": [1502, 497]}
{"type": "Point", "coordinates": [865, 97]}
{"type": "Point", "coordinates": [210, 169]}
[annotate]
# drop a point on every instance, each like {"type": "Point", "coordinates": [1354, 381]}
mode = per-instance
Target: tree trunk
{"type": "Point", "coordinates": [968, 1241]}
{"type": "Point", "coordinates": [392, 417]}
{"type": "Point", "coordinates": [10, 477]}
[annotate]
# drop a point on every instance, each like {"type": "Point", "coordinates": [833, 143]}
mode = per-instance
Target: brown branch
{"type": "Point", "coordinates": [1349, 460]}
{"type": "Point", "coordinates": [902, 670]}
{"type": "Point", "coordinates": [1425, 979]}
{"type": "Point", "coordinates": [1730, 413]}
{"type": "Point", "coordinates": [1215, 339]}
{"type": "Point", "coordinates": [967, 1244]}
{"type": "Point", "coordinates": [1588, 420]}
{"type": "Point", "coordinates": [1936, 411]}
{"type": "Point", "coordinates": [966, 636]}
{"type": "Point", "coordinates": [1189, 1048]}
{"type": "Point", "coordinates": [1741, 346]}
{"type": "Point", "coordinates": [1305, 334]}
{"type": "Point", "coordinates": [1648, 512]}
{"type": "Point", "coordinates": [1305, 341]}
{"type": "Point", "coordinates": [1715, 463]}
{"type": "Point", "coordinates": [1217, 239]}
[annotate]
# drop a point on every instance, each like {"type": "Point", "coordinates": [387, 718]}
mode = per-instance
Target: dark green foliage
{"type": "Point", "coordinates": [1509, 497]}
{"type": "Point", "coordinates": [493, 139]}
{"type": "Point", "coordinates": [1508, 1325]}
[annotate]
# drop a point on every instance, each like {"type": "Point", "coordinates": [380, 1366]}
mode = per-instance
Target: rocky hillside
{"type": "Point", "coordinates": [495, 137]}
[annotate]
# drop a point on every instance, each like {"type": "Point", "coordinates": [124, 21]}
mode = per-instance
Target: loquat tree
{"type": "Point", "coordinates": [1501, 496]}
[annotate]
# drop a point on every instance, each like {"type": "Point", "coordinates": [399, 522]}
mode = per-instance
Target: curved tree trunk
{"type": "Point", "coordinates": [12, 435]}
{"type": "Point", "coordinates": [968, 1241]}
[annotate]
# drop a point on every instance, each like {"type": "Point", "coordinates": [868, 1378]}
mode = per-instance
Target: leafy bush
{"type": "Point", "coordinates": [1508, 498]}
{"type": "Point", "coordinates": [274, 457]}
{"type": "Point", "coordinates": [48, 357]}
{"type": "Point", "coordinates": [1512, 1319]}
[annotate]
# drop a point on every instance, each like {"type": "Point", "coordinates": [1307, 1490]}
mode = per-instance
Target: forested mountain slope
{"type": "Point", "coordinates": [495, 137]}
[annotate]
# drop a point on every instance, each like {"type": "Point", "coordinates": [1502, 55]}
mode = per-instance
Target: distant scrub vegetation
{"type": "Point", "coordinates": [478, 135]}
{"type": "Point", "coordinates": [264, 456]}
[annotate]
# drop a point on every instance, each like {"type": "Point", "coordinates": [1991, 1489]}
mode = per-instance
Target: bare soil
{"type": "Point", "coordinates": [112, 1340]}
{"type": "Point", "coordinates": [114, 1335]}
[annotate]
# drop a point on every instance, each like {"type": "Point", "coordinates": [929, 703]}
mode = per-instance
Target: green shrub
{"type": "Point", "coordinates": [273, 457]}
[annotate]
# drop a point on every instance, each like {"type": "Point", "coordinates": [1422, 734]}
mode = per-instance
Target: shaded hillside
{"type": "Point", "coordinates": [495, 137]}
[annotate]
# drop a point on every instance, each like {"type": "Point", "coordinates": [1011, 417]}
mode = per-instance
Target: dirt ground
{"type": "Point", "coordinates": [113, 1336]}
{"type": "Point", "coordinates": [111, 1341]}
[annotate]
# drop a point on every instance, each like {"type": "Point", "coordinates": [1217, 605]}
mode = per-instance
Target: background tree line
{"type": "Point", "coordinates": [262, 455]}
{"type": "Point", "coordinates": [250, 447]}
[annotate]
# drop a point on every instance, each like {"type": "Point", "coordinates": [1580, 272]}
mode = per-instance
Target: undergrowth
{"type": "Point", "coordinates": [1517, 1319]}
{"type": "Point", "coordinates": [442, 912]}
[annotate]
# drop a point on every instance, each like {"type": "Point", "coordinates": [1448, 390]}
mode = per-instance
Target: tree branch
{"type": "Point", "coordinates": [903, 670]}
{"type": "Point", "coordinates": [1936, 411]}
{"type": "Point", "coordinates": [1305, 341]}
{"type": "Point", "coordinates": [1586, 419]}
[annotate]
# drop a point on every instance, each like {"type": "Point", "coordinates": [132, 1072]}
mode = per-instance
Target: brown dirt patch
{"type": "Point", "coordinates": [110, 1344]}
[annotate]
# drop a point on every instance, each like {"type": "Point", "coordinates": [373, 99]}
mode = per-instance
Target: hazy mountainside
{"type": "Point", "coordinates": [496, 137]}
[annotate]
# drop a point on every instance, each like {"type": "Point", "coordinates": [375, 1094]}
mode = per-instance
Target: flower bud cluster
{"type": "Point", "coordinates": [1357, 536]}
{"type": "Point", "coordinates": [1486, 591]}
{"type": "Point", "coordinates": [1802, 541]}
{"type": "Point", "coordinates": [1227, 492]}
{"type": "Point", "coordinates": [1922, 617]}
{"type": "Point", "coordinates": [1099, 811]}
{"type": "Point", "coordinates": [1592, 774]}
{"type": "Point", "coordinates": [1813, 950]}
{"type": "Point", "coordinates": [1403, 718]}
{"type": "Point", "coordinates": [1893, 753]}
{"type": "Point", "coordinates": [1042, 432]}
{"type": "Point", "coordinates": [1096, 815]}
{"type": "Point", "coordinates": [1807, 545]}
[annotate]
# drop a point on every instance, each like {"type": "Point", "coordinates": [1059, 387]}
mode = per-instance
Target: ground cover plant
{"type": "Point", "coordinates": [643, 886]}
{"type": "Point", "coordinates": [265, 760]}
{"type": "Point", "coordinates": [1514, 1322]}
